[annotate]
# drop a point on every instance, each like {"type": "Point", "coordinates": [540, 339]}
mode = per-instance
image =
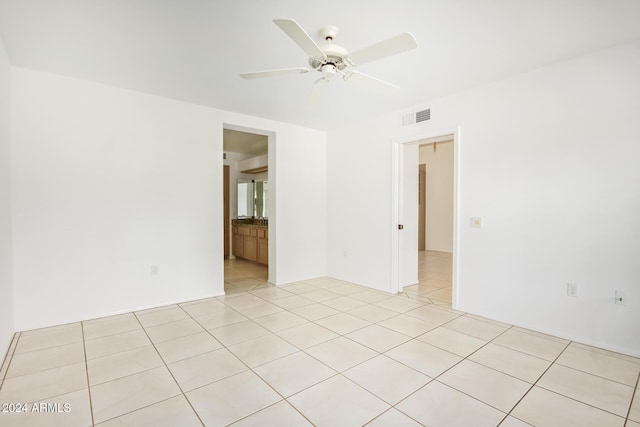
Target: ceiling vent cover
{"type": "Point", "coordinates": [416, 117]}
{"type": "Point", "coordinates": [423, 115]}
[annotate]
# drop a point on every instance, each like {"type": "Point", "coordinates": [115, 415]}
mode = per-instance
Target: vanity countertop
{"type": "Point", "coordinates": [251, 222]}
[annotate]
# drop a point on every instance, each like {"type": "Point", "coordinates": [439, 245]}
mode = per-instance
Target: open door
{"type": "Point", "coordinates": [227, 221]}
{"type": "Point", "coordinates": [404, 215]}
{"type": "Point", "coordinates": [408, 216]}
{"type": "Point", "coordinates": [405, 154]}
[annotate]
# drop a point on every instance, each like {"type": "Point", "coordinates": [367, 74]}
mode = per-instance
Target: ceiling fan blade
{"type": "Point", "coordinates": [271, 73]}
{"type": "Point", "coordinates": [371, 82]}
{"type": "Point", "coordinates": [398, 44]}
{"type": "Point", "coordinates": [317, 89]}
{"type": "Point", "coordinates": [300, 37]}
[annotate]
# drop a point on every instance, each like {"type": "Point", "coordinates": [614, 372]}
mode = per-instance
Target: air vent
{"type": "Point", "coordinates": [417, 117]}
{"type": "Point", "coordinates": [423, 115]}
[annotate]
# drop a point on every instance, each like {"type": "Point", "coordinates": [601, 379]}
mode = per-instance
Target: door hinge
{"type": "Point", "coordinates": [400, 227]}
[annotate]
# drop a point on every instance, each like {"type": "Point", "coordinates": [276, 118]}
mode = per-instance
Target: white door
{"type": "Point", "coordinates": [404, 208]}
{"type": "Point", "coordinates": [408, 215]}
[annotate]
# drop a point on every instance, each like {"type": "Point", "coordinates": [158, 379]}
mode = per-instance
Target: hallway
{"type": "Point", "coordinates": [434, 275]}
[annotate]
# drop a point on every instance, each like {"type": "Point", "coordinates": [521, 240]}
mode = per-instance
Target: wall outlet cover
{"type": "Point", "coordinates": [155, 270]}
{"type": "Point", "coordinates": [475, 222]}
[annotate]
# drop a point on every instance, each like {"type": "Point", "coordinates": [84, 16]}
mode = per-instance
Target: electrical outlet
{"type": "Point", "coordinates": [620, 297]}
{"type": "Point", "coordinates": [475, 222]}
{"type": "Point", "coordinates": [154, 270]}
{"type": "Point", "coordinates": [572, 290]}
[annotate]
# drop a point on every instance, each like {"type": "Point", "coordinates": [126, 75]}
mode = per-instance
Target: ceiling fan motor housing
{"type": "Point", "coordinates": [336, 56]}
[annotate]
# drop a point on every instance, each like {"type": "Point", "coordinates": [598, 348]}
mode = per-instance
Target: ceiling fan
{"type": "Point", "coordinates": [330, 59]}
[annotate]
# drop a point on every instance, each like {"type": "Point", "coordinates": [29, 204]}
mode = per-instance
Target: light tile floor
{"type": "Point", "coordinates": [320, 352]}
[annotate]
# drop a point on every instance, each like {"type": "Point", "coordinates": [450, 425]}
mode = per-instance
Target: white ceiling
{"type": "Point", "coordinates": [243, 142]}
{"type": "Point", "coordinates": [193, 50]}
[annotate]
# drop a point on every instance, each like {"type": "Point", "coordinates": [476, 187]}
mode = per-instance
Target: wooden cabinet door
{"type": "Point", "coordinates": [263, 251]}
{"type": "Point", "coordinates": [251, 248]}
{"type": "Point", "coordinates": [238, 245]}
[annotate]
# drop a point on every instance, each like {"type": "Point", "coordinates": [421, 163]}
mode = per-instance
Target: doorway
{"type": "Point", "coordinates": [247, 262]}
{"type": "Point", "coordinates": [435, 216]}
{"type": "Point", "coordinates": [430, 274]}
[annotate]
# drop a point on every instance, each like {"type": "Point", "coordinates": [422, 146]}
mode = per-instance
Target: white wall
{"type": "Point", "coordinates": [301, 205]}
{"type": "Point", "coordinates": [439, 192]}
{"type": "Point", "coordinates": [549, 160]}
{"type": "Point", "coordinates": [6, 289]}
{"type": "Point", "coordinates": [108, 182]}
{"type": "Point", "coordinates": [359, 191]}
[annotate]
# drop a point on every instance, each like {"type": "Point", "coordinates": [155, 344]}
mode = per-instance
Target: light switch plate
{"type": "Point", "coordinates": [572, 290]}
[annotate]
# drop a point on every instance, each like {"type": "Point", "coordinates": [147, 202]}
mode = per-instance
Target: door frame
{"type": "Point", "coordinates": [273, 193]}
{"type": "Point", "coordinates": [226, 215]}
{"type": "Point", "coordinates": [397, 166]}
{"type": "Point", "coordinates": [422, 214]}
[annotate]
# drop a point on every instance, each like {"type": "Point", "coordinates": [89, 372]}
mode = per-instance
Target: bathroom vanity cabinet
{"type": "Point", "coordinates": [251, 242]}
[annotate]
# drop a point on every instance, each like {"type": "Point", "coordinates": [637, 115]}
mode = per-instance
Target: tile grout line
{"type": "Point", "coordinates": [451, 367]}
{"type": "Point", "coordinates": [168, 370]}
{"type": "Point", "coordinates": [241, 361]}
{"type": "Point", "coordinates": [144, 370]}
{"type": "Point", "coordinates": [86, 369]}
{"type": "Point", "coordinates": [396, 314]}
{"type": "Point", "coordinates": [47, 329]}
{"type": "Point", "coordinates": [606, 353]}
{"type": "Point", "coordinates": [132, 374]}
{"type": "Point", "coordinates": [337, 373]}
{"type": "Point", "coordinates": [119, 351]}
{"type": "Point", "coordinates": [44, 348]}
{"type": "Point", "coordinates": [396, 409]}
{"type": "Point", "coordinates": [8, 358]}
{"type": "Point", "coordinates": [581, 402]}
{"type": "Point", "coordinates": [536, 382]}
{"type": "Point", "coordinates": [594, 374]}
{"type": "Point", "coordinates": [269, 406]}
{"type": "Point", "coordinates": [48, 369]}
{"type": "Point", "coordinates": [383, 354]}
{"type": "Point", "coordinates": [633, 395]}
{"type": "Point", "coordinates": [488, 367]}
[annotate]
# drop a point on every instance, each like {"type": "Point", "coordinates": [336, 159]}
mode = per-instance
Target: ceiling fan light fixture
{"type": "Point", "coordinates": [328, 70]}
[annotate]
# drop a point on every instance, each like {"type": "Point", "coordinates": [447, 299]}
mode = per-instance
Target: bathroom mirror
{"type": "Point", "coordinates": [245, 196]}
{"type": "Point", "coordinates": [253, 198]}
{"type": "Point", "coordinates": [262, 198]}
